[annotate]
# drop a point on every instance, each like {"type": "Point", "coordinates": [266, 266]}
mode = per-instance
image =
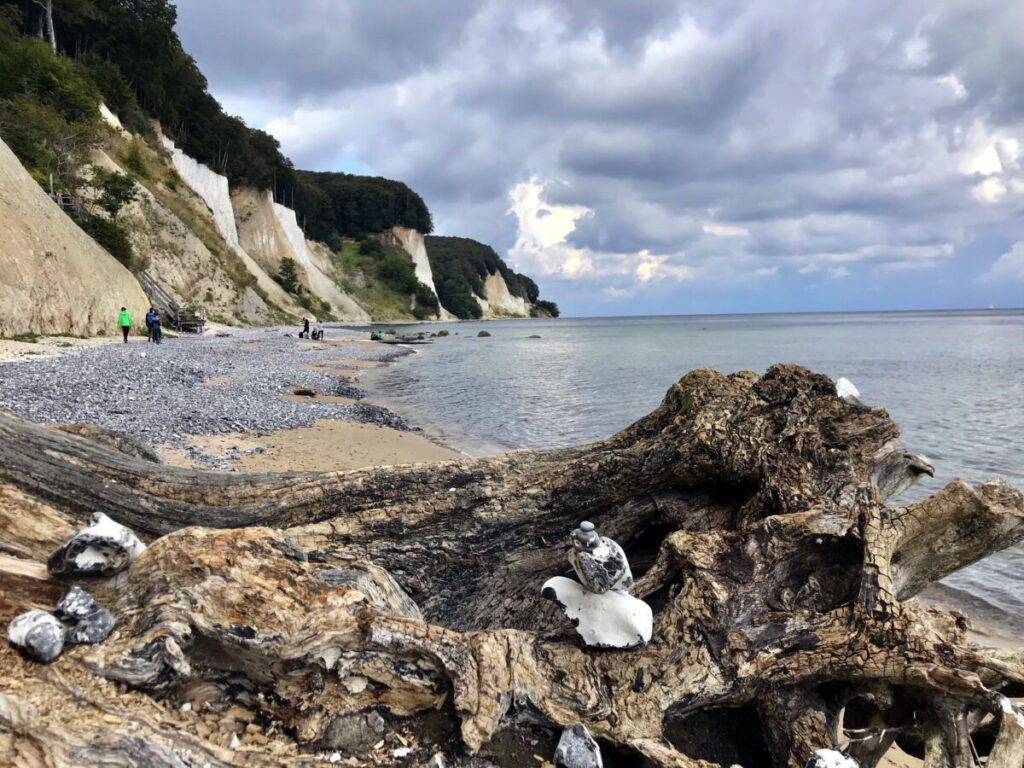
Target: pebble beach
{"type": "Point", "coordinates": [223, 401]}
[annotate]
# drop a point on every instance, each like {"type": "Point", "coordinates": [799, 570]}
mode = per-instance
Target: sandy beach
{"type": "Point", "coordinates": [46, 346]}
{"type": "Point", "coordinates": [326, 446]}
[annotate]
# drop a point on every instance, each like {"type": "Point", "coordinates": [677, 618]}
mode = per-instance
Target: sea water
{"type": "Point", "coordinates": [954, 382]}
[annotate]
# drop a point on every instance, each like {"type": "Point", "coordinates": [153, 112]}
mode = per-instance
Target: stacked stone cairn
{"type": "Point", "coordinates": [599, 605]}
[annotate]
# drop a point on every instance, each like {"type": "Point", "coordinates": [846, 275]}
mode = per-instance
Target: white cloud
{"type": "Point", "coordinates": [658, 267]}
{"type": "Point", "coordinates": [766, 271]}
{"type": "Point", "coordinates": [954, 84]}
{"type": "Point", "coordinates": [543, 228]}
{"type": "Point", "coordinates": [838, 273]}
{"type": "Point", "coordinates": [1008, 267]}
{"type": "Point", "coordinates": [725, 230]}
{"type": "Point", "coordinates": [989, 191]}
{"type": "Point", "coordinates": [542, 244]}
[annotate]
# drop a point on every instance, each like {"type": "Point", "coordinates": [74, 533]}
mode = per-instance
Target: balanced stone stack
{"type": "Point", "coordinates": [604, 613]}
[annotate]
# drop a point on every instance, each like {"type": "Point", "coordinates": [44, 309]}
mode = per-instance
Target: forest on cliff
{"type": "Point", "coordinates": [59, 61]}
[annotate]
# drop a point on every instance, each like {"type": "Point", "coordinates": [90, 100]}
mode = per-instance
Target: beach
{"type": "Point", "coordinates": [226, 402]}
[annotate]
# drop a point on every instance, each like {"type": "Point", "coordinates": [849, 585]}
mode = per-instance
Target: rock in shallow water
{"type": "Point", "coordinates": [38, 633]}
{"type": "Point", "coordinates": [105, 548]}
{"type": "Point", "coordinates": [610, 620]}
{"type": "Point", "coordinates": [577, 749]}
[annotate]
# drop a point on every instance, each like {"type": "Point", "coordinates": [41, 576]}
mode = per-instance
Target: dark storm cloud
{"type": "Point", "coordinates": [666, 139]}
{"type": "Point", "coordinates": [305, 50]}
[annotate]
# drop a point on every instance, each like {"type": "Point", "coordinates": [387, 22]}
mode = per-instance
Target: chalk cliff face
{"type": "Point", "coordinates": [183, 255]}
{"type": "Point", "coordinates": [412, 242]}
{"type": "Point", "coordinates": [270, 233]}
{"type": "Point", "coordinates": [210, 186]}
{"type": "Point", "coordinates": [54, 278]}
{"type": "Point", "coordinates": [499, 301]}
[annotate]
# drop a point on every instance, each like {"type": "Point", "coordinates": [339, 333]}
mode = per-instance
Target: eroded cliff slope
{"type": "Point", "coordinates": [54, 278]}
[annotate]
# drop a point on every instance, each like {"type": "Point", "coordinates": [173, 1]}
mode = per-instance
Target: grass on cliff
{"type": "Point", "coordinates": [356, 273]}
{"type": "Point", "coordinates": [383, 280]}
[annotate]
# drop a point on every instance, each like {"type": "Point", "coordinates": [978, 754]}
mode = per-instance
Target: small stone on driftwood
{"type": "Point", "coordinates": [38, 633]}
{"type": "Point", "coordinates": [105, 548]}
{"type": "Point", "coordinates": [577, 749]}
{"type": "Point", "coordinates": [75, 605]}
{"type": "Point", "coordinates": [92, 628]}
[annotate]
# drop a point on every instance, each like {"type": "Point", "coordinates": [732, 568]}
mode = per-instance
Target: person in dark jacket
{"type": "Point", "coordinates": [149, 324]}
{"type": "Point", "coordinates": [156, 332]}
{"type": "Point", "coordinates": [305, 328]}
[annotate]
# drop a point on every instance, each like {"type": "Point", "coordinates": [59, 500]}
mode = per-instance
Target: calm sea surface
{"type": "Point", "coordinates": [954, 382]}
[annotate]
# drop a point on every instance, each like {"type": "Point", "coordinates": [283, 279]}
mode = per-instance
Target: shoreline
{"type": "Point", "coordinates": [237, 400]}
{"type": "Point", "coordinates": [352, 422]}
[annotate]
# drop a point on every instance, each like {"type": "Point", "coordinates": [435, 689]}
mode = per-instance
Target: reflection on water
{"type": "Point", "coordinates": [954, 381]}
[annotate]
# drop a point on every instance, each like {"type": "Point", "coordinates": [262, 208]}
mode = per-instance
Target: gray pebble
{"type": "Point", "coordinates": [93, 628]}
{"type": "Point", "coordinates": [161, 397]}
{"type": "Point", "coordinates": [577, 749]}
{"type": "Point", "coordinates": [76, 604]}
{"type": "Point", "coordinates": [38, 633]}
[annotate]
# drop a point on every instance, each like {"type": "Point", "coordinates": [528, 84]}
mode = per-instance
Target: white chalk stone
{"type": "Point", "coordinates": [105, 548]}
{"type": "Point", "coordinates": [830, 758]}
{"type": "Point", "coordinates": [845, 388]}
{"type": "Point", "coordinates": [612, 619]}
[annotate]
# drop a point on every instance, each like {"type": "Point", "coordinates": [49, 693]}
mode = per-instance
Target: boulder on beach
{"type": "Point", "coordinates": [442, 333]}
{"type": "Point", "coordinates": [482, 334]}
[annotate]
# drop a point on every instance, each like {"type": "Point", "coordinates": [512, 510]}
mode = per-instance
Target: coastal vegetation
{"type": "Point", "coordinates": [461, 265]}
{"type": "Point", "coordinates": [58, 62]}
{"type": "Point", "coordinates": [380, 277]}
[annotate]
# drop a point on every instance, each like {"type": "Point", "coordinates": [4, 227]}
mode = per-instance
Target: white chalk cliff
{"type": "Point", "coordinates": [210, 186]}
{"type": "Point", "coordinates": [54, 278]}
{"type": "Point", "coordinates": [312, 261]}
{"type": "Point", "coordinates": [270, 233]}
{"type": "Point", "coordinates": [213, 190]}
{"type": "Point", "coordinates": [412, 242]}
{"type": "Point", "coordinates": [499, 301]}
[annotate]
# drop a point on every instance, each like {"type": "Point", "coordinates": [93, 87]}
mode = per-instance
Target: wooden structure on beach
{"type": "Point", "coordinates": [175, 316]}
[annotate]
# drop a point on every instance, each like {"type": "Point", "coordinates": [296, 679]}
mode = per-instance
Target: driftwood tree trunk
{"type": "Point", "coordinates": [307, 605]}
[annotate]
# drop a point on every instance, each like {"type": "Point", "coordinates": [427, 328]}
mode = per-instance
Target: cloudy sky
{"type": "Point", "coordinates": [666, 157]}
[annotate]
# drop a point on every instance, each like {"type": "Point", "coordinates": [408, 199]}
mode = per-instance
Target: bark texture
{"type": "Point", "coordinates": [300, 614]}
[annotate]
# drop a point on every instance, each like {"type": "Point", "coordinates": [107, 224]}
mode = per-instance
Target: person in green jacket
{"type": "Point", "coordinates": [125, 321]}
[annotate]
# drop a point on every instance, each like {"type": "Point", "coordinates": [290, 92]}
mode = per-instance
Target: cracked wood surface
{"type": "Point", "coordinates": [748, 507]}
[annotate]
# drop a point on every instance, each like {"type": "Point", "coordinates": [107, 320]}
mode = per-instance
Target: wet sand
{"type": "Point", "coordinates": [328, 445]}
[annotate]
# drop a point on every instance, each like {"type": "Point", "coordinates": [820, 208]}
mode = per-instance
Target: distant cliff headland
{"type": "Point", "coordinates": [104, 115]}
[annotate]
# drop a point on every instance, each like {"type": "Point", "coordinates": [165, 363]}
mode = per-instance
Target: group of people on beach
{"type": "Point", "coordinates": [316, 334]}
{"type": "Point", "coordinates": [154, 328]}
